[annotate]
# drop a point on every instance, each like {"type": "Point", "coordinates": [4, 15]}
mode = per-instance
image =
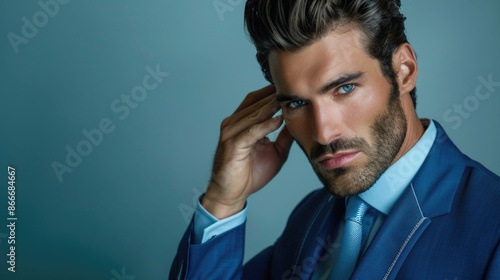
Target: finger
{"type": "Point", "coordinates": [268, 103]}
{"type": "Point", "coordinates": [255, 96]}
{"type": "Point", "coordinates": [247, 118]}
{"type": "Point", "coordinates": [253, 134]}
{"type": "Point", "coordinates": [284, 143]}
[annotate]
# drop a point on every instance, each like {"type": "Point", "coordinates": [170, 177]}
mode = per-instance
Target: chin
{"type": "Point", "coordinates": [345, 190]}
{"type": "Point", "coordinates": [346, 184]}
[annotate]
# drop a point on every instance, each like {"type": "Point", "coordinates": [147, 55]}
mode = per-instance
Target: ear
{"type": "Point", "coordinates": [405, 65]}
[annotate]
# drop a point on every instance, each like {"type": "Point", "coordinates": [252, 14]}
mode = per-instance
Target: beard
{"type": "Point", "coordinates": [388, 132]}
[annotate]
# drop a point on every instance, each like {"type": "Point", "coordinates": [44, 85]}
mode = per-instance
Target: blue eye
{"type": "Point", "coordinates": [296, 104]}
{"type": "Point", "coordinates": [346, 88]}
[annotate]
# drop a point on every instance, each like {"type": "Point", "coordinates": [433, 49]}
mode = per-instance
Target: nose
{"type": "Point", "coordinates": [326, 124]}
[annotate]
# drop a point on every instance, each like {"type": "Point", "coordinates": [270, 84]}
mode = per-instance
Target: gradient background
{"type": "Point", "coordinates": [123, 209]}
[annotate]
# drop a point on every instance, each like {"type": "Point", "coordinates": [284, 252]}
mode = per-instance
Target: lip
{"type": "Point", "coordinates": [339, 159]}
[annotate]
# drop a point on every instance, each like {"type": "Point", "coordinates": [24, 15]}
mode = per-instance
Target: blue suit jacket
{"type": "Point", "coordinates": [446, 225]}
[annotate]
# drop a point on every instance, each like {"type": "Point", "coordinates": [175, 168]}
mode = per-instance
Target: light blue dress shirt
{"type": "Point", "coordinates": [207, 226]}
{"type": "Point", "coordinates": [382, 196]}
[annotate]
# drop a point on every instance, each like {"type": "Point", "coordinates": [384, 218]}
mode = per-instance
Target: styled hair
{"type": "Point", "coordinates": [291, 25]}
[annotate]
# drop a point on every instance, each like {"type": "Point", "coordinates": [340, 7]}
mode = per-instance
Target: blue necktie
{"type": "Point", "coordinates": [350, 247]}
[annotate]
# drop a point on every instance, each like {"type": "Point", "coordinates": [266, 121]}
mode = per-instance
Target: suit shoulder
{"type": "Point", "coordinates": [481, 187]}
{"type": "Point", "coordinates": [484, 178]}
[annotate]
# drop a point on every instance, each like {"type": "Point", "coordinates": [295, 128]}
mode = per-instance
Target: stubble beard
{"type": "Point", "coordinates": [388, 132]}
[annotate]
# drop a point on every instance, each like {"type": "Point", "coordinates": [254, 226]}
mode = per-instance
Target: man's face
{"type": "Point", "coordinates": [345, 115]}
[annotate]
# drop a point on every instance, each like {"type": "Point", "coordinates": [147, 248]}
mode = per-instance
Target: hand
{"type": "Point", "coordinates": [246, 160]}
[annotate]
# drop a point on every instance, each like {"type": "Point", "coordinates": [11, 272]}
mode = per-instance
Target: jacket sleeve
{"type": "Point", "coordinates": [219, 258]}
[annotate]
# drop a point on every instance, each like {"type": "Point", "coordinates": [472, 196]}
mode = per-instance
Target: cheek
{"type": "Point", "coordinates": [293, 127]}
{"type": "Point", "coordinates": [299, 129]}
{"type": "Point", "coordinates": [361, 113]}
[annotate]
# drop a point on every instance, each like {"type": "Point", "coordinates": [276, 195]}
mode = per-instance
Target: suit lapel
{"type": "Point", "coordinates": [395, 239]}
{"type": "Point", "coordinates": [430, 195]}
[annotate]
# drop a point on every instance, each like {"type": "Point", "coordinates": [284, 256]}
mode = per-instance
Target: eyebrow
{"type": "Point", "coordinates": [345, 78]}
{"type": "Point", "coordinates": [349, 77]}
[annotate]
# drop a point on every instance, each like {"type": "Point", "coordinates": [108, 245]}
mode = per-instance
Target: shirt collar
{"type": "Point", "coordinates": [384, 193]}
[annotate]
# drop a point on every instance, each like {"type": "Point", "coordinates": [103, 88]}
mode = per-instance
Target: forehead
{"type": "Point", "coordinates": [338, 52]}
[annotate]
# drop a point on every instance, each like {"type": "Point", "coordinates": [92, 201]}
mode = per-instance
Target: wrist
{"type": "Point", "coordinates": [221, 209]}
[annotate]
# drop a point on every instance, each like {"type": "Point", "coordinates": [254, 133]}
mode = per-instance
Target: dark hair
{"type": "Point", "coordinates": [290, 25]}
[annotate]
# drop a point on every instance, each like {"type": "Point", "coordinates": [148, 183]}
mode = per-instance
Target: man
{"type": "Point", "coordinates": [344, 77]}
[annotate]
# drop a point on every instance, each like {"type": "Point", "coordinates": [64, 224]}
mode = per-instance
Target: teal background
{"type": "Point", "coordinates": [123, 209]}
